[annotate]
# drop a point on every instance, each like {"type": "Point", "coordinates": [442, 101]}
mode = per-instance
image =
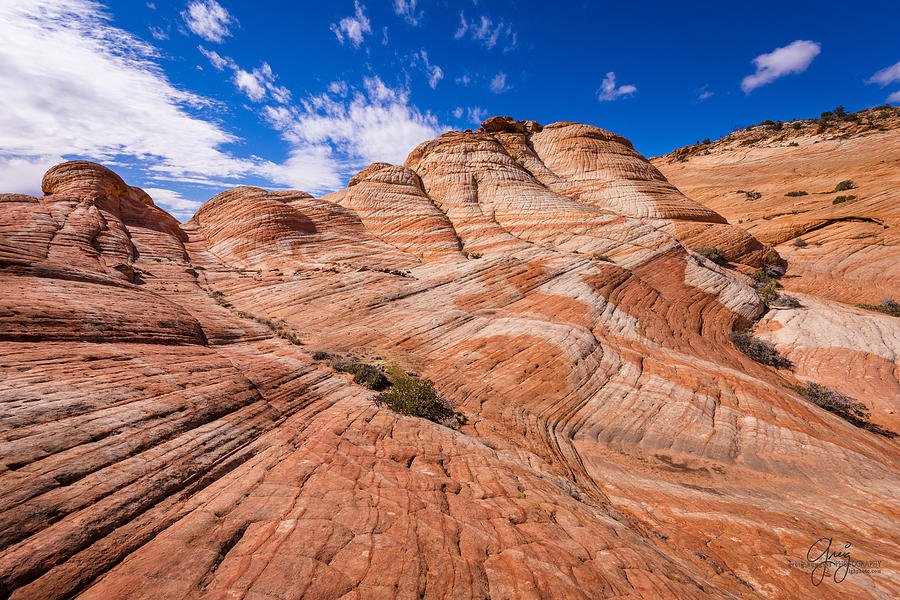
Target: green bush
{"type": "Point", "coordinates": [787, 301]}
{"type": "Point", "coordinates": [888, 307]}
{"type": "Point", "coordinates": [750, 194]}
{"type": "Point", "coordinates": [845, 185]}
{"type": "Point", "coordinates": [841, 199]}
{"type": "Point", "coordinates": [761, 351]}
{"type": "Point", "coordinates": [415, 397]}
{"type": "Point", "coordinates": [796, 194]}
{"type": "Point", "coordinates": [369, 376]}
{"type": "Point", "coordinates": [767, 293]}
{"type": "Point", "coordinates": [320, 355]}
{"type": "Point", "coordinates": [797, 125]}
{"type": "Point", "coordinates": [847, 408]}
{"type": "Point", "coordinates": [712, 254]}
{"type": "Point", "coordinates": [800, 243]}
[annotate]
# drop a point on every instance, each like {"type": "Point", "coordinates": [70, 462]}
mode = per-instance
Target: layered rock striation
{"type": "Point", "coordinates": [162, 436]}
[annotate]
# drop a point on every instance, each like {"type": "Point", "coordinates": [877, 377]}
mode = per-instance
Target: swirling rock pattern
{"type": "Point", "coordinates": [157, 439]}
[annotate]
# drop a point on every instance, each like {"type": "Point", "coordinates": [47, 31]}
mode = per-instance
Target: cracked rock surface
{"type": "Point", "coordinates": [162, 437]}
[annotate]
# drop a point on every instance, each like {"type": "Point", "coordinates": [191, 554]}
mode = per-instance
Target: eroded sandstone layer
{"type": "Point", "coordinates": [166, 432]}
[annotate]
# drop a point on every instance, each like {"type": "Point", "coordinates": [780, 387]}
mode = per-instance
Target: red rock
{"type": "Point", "coordinates": [159, 439]}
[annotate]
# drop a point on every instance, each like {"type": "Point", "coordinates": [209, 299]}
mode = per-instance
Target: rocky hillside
{"type": "Point", "coordinates": [826, 193]}
{"type": "Point", "coordinates": [180, 419]}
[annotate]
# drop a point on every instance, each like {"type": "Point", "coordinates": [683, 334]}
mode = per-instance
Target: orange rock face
{"type": "Point", "coordinates": [163, 437]}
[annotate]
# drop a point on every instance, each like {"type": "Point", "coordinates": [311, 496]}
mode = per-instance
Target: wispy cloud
{"type": "Point", "coordinates": [375, 123]}
{"type": "Point", "coordinates": [487, 31]}
{"type": "Point", "coordinates": [256, 84]}
{"type": "Point", "coordinates": [218, 62]}
{"type": "Point", "coordinates": [704, 93]}
{"type": "Point", "coordinates": [895, 97]}
{"type": "Point", "coordinates": [75, 86]}
{"type": "Point", "coordinates": [474, 114]}
{"type": "Point", "coordinates": [179, 206]}
{"type": "Point", "coordinates": [209, 20]}
{"type": "Point", "coordinates": [498, 83]}
{"type": "Point", "coordinates": [608, 90]}
{"type": "Point", "coordinates": [353, 28]}
{"type": "Point", "coordinates": [793, 58]}
{"type": "Point", "coordinates": [886, 75]}
{"type": "Point", "coordinates": [158, 33]}
{"type": "Point", "coordinates": [434, 72]}
{"type": "Point", "coordinates": [407, 9]}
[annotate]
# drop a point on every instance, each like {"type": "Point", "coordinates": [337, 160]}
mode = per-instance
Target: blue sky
{"type": "Point", "coordinates": [186, 98]}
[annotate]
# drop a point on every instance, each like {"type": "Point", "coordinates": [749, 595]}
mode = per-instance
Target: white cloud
{"type": "Point", "coordinates": [376, 123]}
{"type": "Point", "coordinates": [250, 84]}
{"type": "Point", "coordinates": [434, 72]}
{"type": "Point", "coordinates": [158, 33]}
{"type": "Point", "coordinates": [176, 204]}
{"type": "Point", "coordinates": [23, 175]}
{"type": "Point", "coordinates": [353, 28]}
{"type": "Point", "coordinates": [474, 114]}
{"type": "Point", "coordinates": [74, 86]}
{"type": "Point", "coordinates": [498, 83]}
{"type": "Point", "coordinates": [886, 76]}
{"type": "Point", "coordinates": [487, 32]}
{"type": "Point", "coordinates": [217, 61]}
{"type": "Point", "coordinates": [477, 114]}
{"type": "Point", "coordinates": [338, 88]}
{"type": "Point", "coordinates": [793, 58]}
{"type": "Point", "coordinates": [463, 80]}
{"type": "Point", "coordinates": [256, 84]}
{"type": "Point", "coordinates": [704, 93]}
{"type": "Point", "coordinates": [407, 10]}
{"type": "Point", "coordinates": [608, 90]}
{"type": "Point", "coordinates": [209, 20]}
{"type": "Point", "coordinates": [895, 97]}
{"type": "Point", "coordinates": [260, 82]}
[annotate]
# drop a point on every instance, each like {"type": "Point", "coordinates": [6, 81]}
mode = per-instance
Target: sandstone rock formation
{"type": "Point", "coordinates": [852, 236]}
{"type": "Point", "coordinates": [163, 438]}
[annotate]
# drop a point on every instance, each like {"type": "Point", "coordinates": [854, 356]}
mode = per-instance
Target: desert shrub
{"type": "Point", "coordinates": [841, 199]}
{"type": "Point", "coordinates": [219, 298]}
{"type": "Point", "coordinates": [844, 185]}
{"type": "Point", "coordinates": [750, 194]}
{"type": "Point", "coordinates": [796, 194]}
{"type": "Point", "coordinates": [369, 376]}
{"type": "Point", "coordinates": [759, 350]}
{"type": "Point", "coordinates": [415, 397]}
{"type": "Point", "coordinates": [706, 141]}
{"type": "Point", "coordinates": [475, 255]}
{"type": "Point", "coordinates": [797, 125]}
{"type": "Point", "coordinates": [712, 254]}
{"type": "Point", "coordinates": [888, 307]}
{"type": "Point", "coordinates": [603, 257]}
{"type": "Point", "coordinates": [800, 243]}
{"type": "Point", "coordinates": [787, 301]}
{"type": "Point", "coordinates": [767, 292]}
{"type": "Point", "coordinates": [847, 408]}
{"type": "Point", "coordinates": [793, 144]}
{"type": "Point", "coordinates": [320, 355]}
